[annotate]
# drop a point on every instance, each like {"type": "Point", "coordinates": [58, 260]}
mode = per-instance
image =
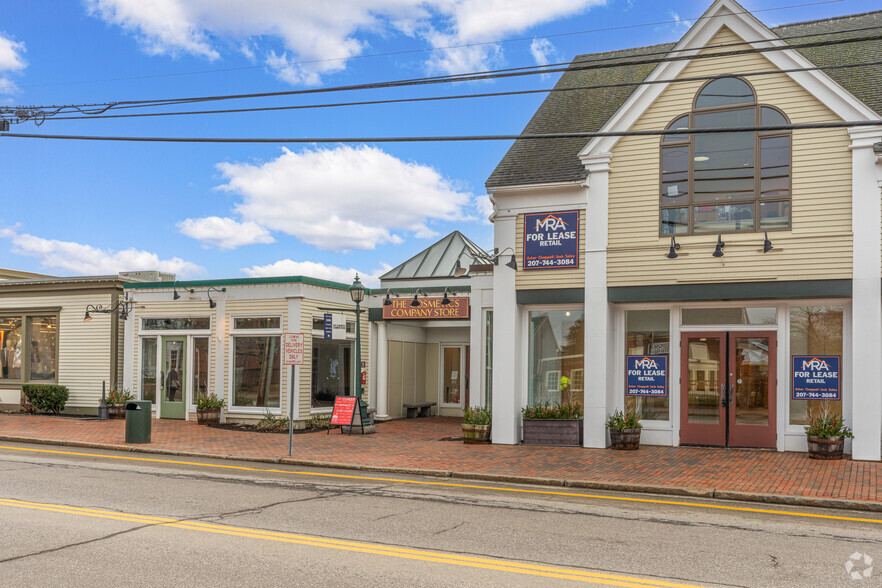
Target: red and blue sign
{"type": "Point", "coordinates": [816, 377]}
{"type": "Point", "coordinates": [647, 375]}
{"type": "Point", "coordinates": [551, 240]}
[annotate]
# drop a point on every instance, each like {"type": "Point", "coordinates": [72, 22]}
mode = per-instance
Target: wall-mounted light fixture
{"type": "Point", "coordinates": [718, 252]}
{"type": "Point", "coordinates": [122, 307]}
{"type": "Point", "coordinates": [672, 254]}
{"type": "Point", "coordinates": [416, 300]}
{"type": "Point", "coordinates": [458, 270]}
{"type": "Point", "coordinates": [445, 301]}
{"type": "Point", "coordinates": [767, 245]}
{"type": "Point", "coordinates": [177, 296]}
{"type": "Point", "coordinates": [388, 300]}
{"type": "Point", "coordinates": [212, 303]}
{"type": "Point", "coordinates": [512, 263]}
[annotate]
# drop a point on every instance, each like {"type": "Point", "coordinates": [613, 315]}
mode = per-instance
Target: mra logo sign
{"type": "Point", "coordinates": [550, 223]}
{"type": "Point", "coordinates": [646, 364]}
{"type": "Point", "coordinates": [815, 364]}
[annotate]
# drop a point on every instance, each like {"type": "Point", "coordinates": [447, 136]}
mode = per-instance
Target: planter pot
{"type": "Point", "coordinates": [559, 432]}
{"type": "Point", "coordinates": [208, 417]}
{"type": "Point", "coordinates": [116, 411]}
{"type": "Point", "coordinates": [475, 433]}
{"type": "Point", "coordinates": [825, 447]}
{"type": "Point", "coordinates": [628, 439]}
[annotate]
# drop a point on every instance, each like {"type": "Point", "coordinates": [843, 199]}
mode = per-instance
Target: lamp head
{"type": "Point", "coordinates": [388, 300]}
{"type": "Point", "coordinates": [672, 254]}
{"type": "Point", "coordinates": [767, 245]}
{"type": "Point", "coordinates": [512, 263]}
{"type": "Point", "coordinates": [445, 301]}
{"type": "Point", "coordinates": [356, 290]}
{"type": "Point", "coordinates": [176, 296]}
{"type": "Point", "coordinates": [718, 252]}
{"type": "Point", "coordinates": [458, 270]}
{"type": "Point", "coordinates": [87, 318]}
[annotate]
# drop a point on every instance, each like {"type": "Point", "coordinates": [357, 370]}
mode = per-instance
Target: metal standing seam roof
{"type": "Point", "coordinates": [539, 161]}
{"type": "Point", "coordinates": [439, 260]}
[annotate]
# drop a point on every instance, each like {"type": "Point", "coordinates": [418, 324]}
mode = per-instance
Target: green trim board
{"type": "Point", "coordinates": [241, 282]}
{"type": "Point", "coordinates": [552, 296]}
{"type": "Point", "coordinates": [732, 291]}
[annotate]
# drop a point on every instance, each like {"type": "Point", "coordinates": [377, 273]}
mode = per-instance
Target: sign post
{"type": "Point", "coordinates": [292, 354]}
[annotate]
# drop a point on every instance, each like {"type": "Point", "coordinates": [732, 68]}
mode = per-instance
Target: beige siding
{"type": "Point", "coordinates": [546, 279]}
{"type": "Point", "coordinates": [819, 244]}
{"type": "Point", "coordinates": [83, 347]}
{"type": "Point", "coordinates": [413, 375]}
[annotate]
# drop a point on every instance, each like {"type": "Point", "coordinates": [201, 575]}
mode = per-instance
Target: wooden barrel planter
{"type": "Point", "coordinates": [825, 447]}
{"type": "Point", "coordinates": [208, 417]}
{"type": "Point", "coordinates": [557, 432]}
{"type": "Point", "coordinates": [627, 439]}
{"type": "Point", "coordinates": [473, 434]}
{"type": "Point", "coordinates": [116, 411]}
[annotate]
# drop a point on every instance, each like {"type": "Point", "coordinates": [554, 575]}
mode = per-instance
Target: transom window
{"type": "Point", "coordinates": [725, 182]}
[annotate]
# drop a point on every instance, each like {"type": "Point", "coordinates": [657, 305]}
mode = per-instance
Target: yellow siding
{"type": "Point", "coordinates": [819, 244]}
{"type": "Point", "coordinates": [83, 347]}
{"type": "Point", "coordinates": [547, 279]}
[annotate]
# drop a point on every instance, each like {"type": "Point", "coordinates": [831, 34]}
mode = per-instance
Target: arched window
{"type": "Point", "coordinates": [725, 182]}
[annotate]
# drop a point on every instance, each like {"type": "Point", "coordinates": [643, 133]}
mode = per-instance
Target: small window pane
{"type": "Point", "coordinates": [675, 174]}
{"type": "Point", "coordinates": [730, 316]}
{"type": "Point", "coordinates": [723, 219]}
{"type": "Point", "coordinates": [350, 327]}
{"type": "Point", "coordinates": [272, 322]}
{"type": "Point", "coordinates": [774, 215]}
{"type": "Point", "coordinates": [43, 332]}
{"type": "Point", "coordinates": [725, 91]}
{"type": "Point", "coordinates": [775, 158]}
{"type": "Point", "coordinates": [175, 324]}
{"type": "Point", "coordinates": [200, 367]}
{"type": "Point", "coordinates": [257, 372]}
{"type": "Point", "coordinates": [770, 116]}
{"type": "Point", "coordinates": [675, 221]}
{"type": "Point", "coordinates": [10, 348]}
{"type": "Point", "coordinates": [148, 369]}
{"type": "Point", "coordinates": [318, 323]}
{"type": "Point", "coordinates": [680, 123]}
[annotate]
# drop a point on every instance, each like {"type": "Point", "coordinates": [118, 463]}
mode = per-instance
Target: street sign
{"type": "Point", "coordinates": [293, 349]}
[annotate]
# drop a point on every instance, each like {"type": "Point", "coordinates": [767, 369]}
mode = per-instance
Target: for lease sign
{"type": "Point", "coordinates": [647, 375]}
{"type": "Point", "coordinates": [551, 240]}
{"type": "Point", "coordinates": [816, 377]}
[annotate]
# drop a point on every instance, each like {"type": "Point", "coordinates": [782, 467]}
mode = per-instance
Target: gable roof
{"type": "Point", "coordinates": [539, 161]}
{"type": "Point", "coordinates": [439, 260]}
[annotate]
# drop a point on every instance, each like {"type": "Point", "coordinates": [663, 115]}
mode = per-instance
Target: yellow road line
{"type": "Point", "coordinates": [355, 546]}
{"type": "Point", "coordinates": [455, 485]}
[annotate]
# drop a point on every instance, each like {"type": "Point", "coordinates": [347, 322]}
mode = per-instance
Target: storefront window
{"type": "Point", "coordinates": [176, 324]}
{"type": "Point", "coordinates": [42, 331]}
{"type": "Point", "coordinates": [648, 333]}
{"type": "Point", "coordinates": [557, 343]}
{"type": "Point", "coordinates": [272, 322]}
{"type": "Point", "coordinates": [488, 359]}
{"type": "Point", "coordinates": [10, 347]}
{"type": "Point", "coordinates": [331, 372]}
{"type": "Point", "coordinates": [730, 316]}
{"type": "Point", "coordinates": [815, 330]}
{"type": "Point", "coordinates": [200, 367]}
{"type": "Point", "coordinates": [257, 373]}
{"type": "Point", "coordinates": [148, 369]}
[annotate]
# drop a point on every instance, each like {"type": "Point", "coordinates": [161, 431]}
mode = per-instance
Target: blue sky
{"type": "Point", "coordinates": [228, 210]}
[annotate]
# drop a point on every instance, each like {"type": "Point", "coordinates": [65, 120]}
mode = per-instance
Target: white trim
{"type": "Point", "coordinates": [493, 191]}
{"type": "Point", "coordinates": [233, 408]}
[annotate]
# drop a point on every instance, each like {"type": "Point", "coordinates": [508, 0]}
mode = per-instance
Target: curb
{"type": "Point", "coordinates": [692, 492]}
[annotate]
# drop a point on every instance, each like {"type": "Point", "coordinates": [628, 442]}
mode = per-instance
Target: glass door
{"type": "Point", "coordinates": [172, 385]}
{"type": "Point", "coordinates": [752, 375]}
{"type": "Point", "coordinates": [702, 413]}
{"type": "Point", "coordinates": [451, 392]}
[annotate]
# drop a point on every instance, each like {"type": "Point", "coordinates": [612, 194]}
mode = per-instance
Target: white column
{"type": "Point", "coordinates": [382, 371]}
{"type": "Point", "coordinates": [599, 323]}
{"type": "Point", "coordinates": [866, 328]}
{"type": "Point", "coordinates": [507, 362]}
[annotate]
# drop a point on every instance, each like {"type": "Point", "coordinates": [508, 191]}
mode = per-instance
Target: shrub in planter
{"type": "Point", "coordinates": [624, 430]}
{"type": "Point", "coordinates": [46, 397]}
{"type": "Point", "coordinates": [553, 424]}
{"type": "Point", "coordinates": [116, 402]}
{"type": "Point", "coordinates": [826, 436]}
{"type": "Point", "coordinates": [208, 408]}
{"type": "Point", "coordinates": [476, 425]}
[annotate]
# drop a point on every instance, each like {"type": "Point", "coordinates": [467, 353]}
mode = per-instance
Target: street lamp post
{"type": "Point", "coordinates": [356, 291]}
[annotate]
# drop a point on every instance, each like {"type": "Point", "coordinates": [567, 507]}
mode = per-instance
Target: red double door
{"type": "Point", "coordinates": [728, 389]}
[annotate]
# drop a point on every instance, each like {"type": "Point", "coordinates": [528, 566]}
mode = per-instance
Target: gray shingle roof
{"type": "Point", "coordinates": [538, 161]}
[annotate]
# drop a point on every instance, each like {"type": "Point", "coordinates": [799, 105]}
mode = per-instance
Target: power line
{"type": "Point", "coordinates": [445, 48]}
{"type": "Point", "coordinates": [518, 72]}
{"type": "Point", "coordinates": [456, 138]}
{"type": "Point", "coordinates": [465, 96]}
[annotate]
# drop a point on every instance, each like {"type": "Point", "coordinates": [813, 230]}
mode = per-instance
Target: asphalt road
{"type": "Point", "coordinates": [82, 517]}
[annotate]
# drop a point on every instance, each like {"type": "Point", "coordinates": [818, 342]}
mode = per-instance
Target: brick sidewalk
{"type": "Point", "coordinates": [417, 444]}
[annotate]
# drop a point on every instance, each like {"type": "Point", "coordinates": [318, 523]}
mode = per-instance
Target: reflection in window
{"type": "Point", "coordinates": [815, 330]}
{"type": "Point", "coordinates": [557, 343]}
{"type": "Point", "coordinates": [648, 333]}
{"type": "Point", "coordinates": [257, 373]}
{"type": "Point", "coordinates": [148, 369]}
{"type": "Point", "coordinates": [43, 332]}
{"type": "Point", "coordinates": [272, 322]}
{"type": "Point", "coordinates": [331, 372]}
{"type": "Point", "coordinates": [725, 182]}
{"type": "Point", "coordinates": [200, 367]}
{"type": "Point", "coordinates": [10, 347]}
{"type": "Point", "coordinates": [175, 324]}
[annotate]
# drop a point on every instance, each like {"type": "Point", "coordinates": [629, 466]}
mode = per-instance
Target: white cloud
{"type": "Point", "coordinates": [225, 233]}
{"type": "Point", "coordinates": [679, 22]}
{"type": "Point", "coordinates": [289, 267]}
{"type": "Point", "coordinates": [11, 60]}
{"type": "Point", "coordinates": [542, 50]}
{"type": "Point", "coordinates": [316, 40]}
{"type": "Point", "coordinates": [87, 260]}
{"type": "Point", "coordinates": [342, 198]}
{"type": "Point", "coordinates": [485, 208]}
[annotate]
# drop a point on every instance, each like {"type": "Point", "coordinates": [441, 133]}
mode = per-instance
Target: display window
{"type": "Point", "coordinates": [557, 356]}
{"type": "Point", "coordinates": [28, 347]}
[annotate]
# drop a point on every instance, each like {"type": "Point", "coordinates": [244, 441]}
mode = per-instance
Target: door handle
{"type": "Point", "coordinates": [161, 380]}
{"type": "Point", "coordinates": [724, 395]}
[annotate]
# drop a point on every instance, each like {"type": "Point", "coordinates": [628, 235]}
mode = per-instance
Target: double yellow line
{"type": "Point", "coordinates": [499, 565]}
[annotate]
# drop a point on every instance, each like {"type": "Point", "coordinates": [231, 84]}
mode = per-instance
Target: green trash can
{"type": "Point", "coordinates": [138, 416]}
